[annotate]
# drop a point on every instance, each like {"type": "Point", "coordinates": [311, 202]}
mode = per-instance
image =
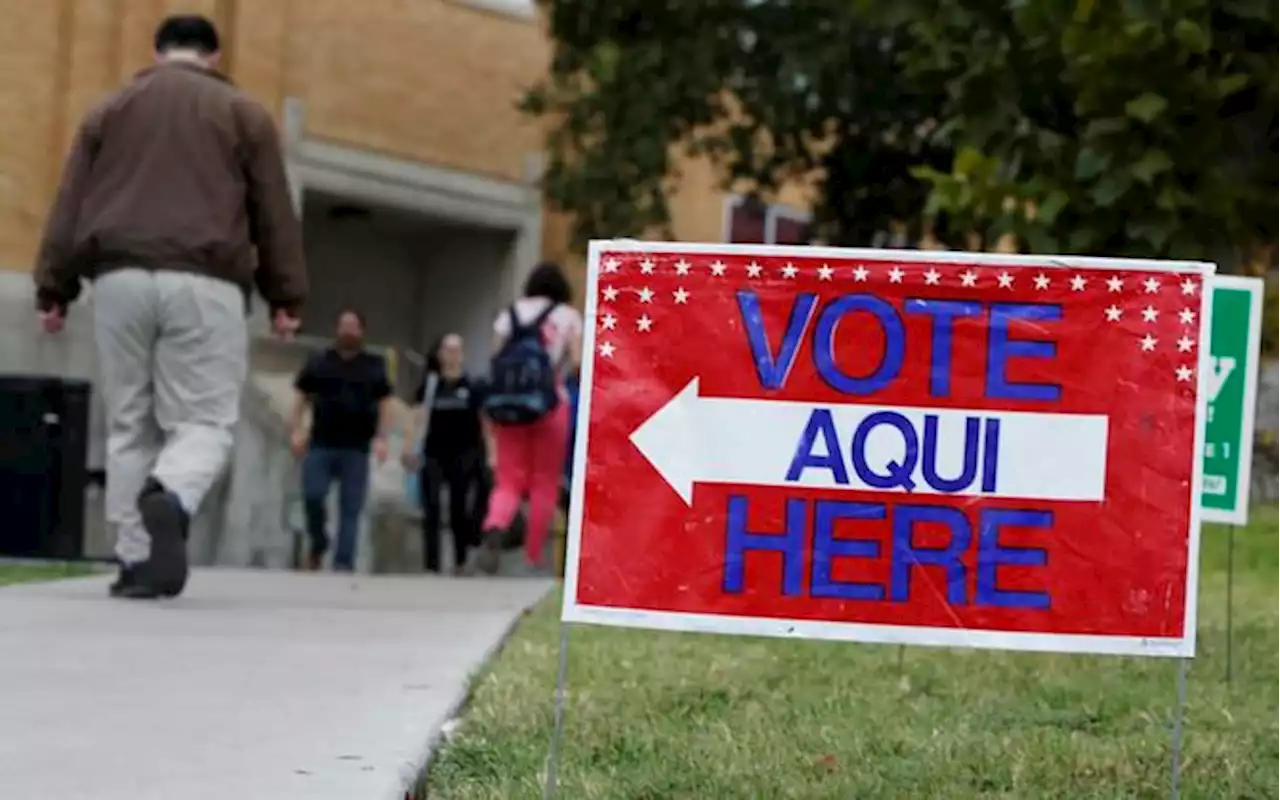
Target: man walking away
{"type": "Point", "coordinates": [349, 395]}
{"type": "Point", "coordinates": [171, 184]}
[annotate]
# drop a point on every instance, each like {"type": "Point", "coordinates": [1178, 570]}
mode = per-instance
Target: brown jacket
{"type": "Point", "coordinates": [179, 170]}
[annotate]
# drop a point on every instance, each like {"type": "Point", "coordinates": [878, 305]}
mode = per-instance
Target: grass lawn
{"type": "Point", "coordinates": [659, 715]}
{"type": "Point", "coordinates": [20, 573]}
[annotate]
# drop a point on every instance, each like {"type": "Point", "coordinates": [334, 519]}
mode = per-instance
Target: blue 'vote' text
{"type": "Point", "coordinates": [773, 366]}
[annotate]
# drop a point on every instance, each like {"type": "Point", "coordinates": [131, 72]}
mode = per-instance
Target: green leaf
{"type": "Point", "coordinates": [1187, 245]}
{"type": "Point", "coordinates": [939, 201]}
{"type": "Point", "coordinates": [1050, 141]}
{"type": "Point", "coordinates": [1171, 198]}
{"type": "Point", "coordinates": [1136, 30]}
{"type": "Point", "coordinates": [1148, 10]}
{"type": "Point", "coordinates": [1084, 10]}
{"type": "Point", "coordinates": [1090, 163]}
{"type": "Point", "coordinates": [1110, 189]}
{"type": "Point", "coordinates": [1146, 106]}
{"type": "Point", "coordinates": [1191, 36]}
{"type": "Point", "coordinates": [929, 174]}
{"type": "Point", "coordinates": [1038, 240]}
{"type": "Point", "coordinates": [1003, 224]}
{"type": "Point", "coordinates": [1249, 9]}
{"type": "Point", "coordinates": [1228, 85]}
{"type": "Point", "coordinates": [1153, 233]}
{"type": "Point", "coordinates": [1105, 127]}
{"type": "Point", "coordinates": [1048, 210]}
{"type": "Point", "coordinates": [604, 62]}
{"type": "Point", "coordinates": [533, 102]}
{"type": "Point", "coordinates": [1081, 240]}
{"type": "Point", "coordinates": [1152, 163]}
{"type": "Point", "coordinates": [968, 161]}
{"type": "Point", "coordinates": [943, 133]}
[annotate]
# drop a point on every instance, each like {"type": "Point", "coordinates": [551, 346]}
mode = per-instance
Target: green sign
{"type": "Point", "coordinates": [1235, 331]}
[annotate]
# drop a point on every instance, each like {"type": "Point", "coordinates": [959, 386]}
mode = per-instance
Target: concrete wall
{"type": "Point", "coordinates": [245, 519]}
{"type": "Point", "coordinates": [240, 522]}
{"type": "Point", "coordinates": [25, 350]}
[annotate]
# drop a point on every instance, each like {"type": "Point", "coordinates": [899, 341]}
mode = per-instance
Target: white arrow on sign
{"type": "Point", "coordinates": [752, 442]}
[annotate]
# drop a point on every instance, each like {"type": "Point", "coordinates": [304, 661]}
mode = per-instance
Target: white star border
{"type": "Point", "coordinates": [924, 272]}
{"type": "Point", "coordinates": [961, 276]}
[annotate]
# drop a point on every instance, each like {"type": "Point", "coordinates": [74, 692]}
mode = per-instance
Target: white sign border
{"type": "Point", "coordinates": [1256, 288]}
{"type": "Point", "coordinates": [574, 612]}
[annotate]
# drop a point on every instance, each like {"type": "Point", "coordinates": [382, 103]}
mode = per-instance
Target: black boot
{"type": "Point", "coordinates": [129, 584]}
{"type": "Point", "coordinates": [489, 553]}
{"type": "Point", "coordinates": [167, 524]}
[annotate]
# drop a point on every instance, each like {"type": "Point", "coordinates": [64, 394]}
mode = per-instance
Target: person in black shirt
{"type": "Point", "coordinates": [347, 390]}
{"type": "Point", "coordinates": [454, 451]}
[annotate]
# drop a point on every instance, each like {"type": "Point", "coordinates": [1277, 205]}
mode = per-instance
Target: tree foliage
{"type": "Point", "coordinates": [771, 91]}
{"type": "Point", "coordinates": [1128, 127]}
{"type": "Point", "coordinates": [1119, 127]}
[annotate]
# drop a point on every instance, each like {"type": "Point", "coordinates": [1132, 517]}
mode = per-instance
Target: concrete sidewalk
{"type": "Point", "coordinates": [254, 686]}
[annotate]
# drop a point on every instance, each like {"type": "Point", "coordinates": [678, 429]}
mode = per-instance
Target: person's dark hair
{"type": "Point", "coordinates": [433, 355]}
{"type": "Point", "coordinates": [548, 280]}
{"type": "Point", "coordinates": [353, 312]}
{"type": "Point", "coordinates": [187, 32]}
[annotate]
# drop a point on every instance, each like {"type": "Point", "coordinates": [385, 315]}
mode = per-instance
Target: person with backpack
{"type": "Point", "coordinates": [537, 344]}
{"type": "Point", "coordinates": [447, 443]}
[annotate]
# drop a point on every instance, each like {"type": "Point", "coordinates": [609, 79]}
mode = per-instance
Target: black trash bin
{"type": "Point", "coordinates": [44, 432]}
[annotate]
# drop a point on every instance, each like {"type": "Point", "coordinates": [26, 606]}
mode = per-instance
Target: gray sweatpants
{"type": "Point", "coordinates": [172, 356]}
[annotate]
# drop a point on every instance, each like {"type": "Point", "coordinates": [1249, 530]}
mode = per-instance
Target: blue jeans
{"type": "Point", "coordinates": [350, 468]}
{"type": "Point", "coordinates": [572, 387]}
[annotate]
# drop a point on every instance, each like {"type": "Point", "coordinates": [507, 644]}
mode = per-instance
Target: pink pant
{"type": "Point", "coordinates": [530, 464]}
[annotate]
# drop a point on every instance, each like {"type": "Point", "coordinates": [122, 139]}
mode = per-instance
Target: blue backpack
{"type": "Point", "coordinates": [523, 386]}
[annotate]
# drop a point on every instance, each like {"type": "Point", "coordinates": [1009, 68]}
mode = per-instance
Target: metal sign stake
{"type": "Point", "coordinates": [1231, 569]}
{"type": "Point", "coordinates": [557, 727]}
{"type": "Point", "coordinates": [1184, 664]}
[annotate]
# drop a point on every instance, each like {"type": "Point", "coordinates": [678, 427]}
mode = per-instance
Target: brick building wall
{"type": "Point", "coordinates": [432, 81]}
{"type": "Point", "coordinates": [427, 81]}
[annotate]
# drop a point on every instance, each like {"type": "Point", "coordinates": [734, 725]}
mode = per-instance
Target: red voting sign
{"type": "Point", "coordinates": [890, 446]}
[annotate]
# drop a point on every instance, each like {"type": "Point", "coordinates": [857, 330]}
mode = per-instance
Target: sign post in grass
{"type": "Point", "coordinates": [1232, 368]}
